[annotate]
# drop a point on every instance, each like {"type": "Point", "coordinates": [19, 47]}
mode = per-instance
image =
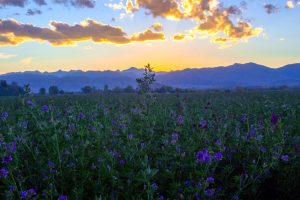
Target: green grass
{"type": "Point", "coordinates": [120, 146]}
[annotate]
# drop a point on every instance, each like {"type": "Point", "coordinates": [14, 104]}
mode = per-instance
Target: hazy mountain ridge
{"type": "Point", "coordinates": [248, 74]}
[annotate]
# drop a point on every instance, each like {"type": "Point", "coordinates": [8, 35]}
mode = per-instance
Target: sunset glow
{"type": "Point", "coordinates": [171, 35]}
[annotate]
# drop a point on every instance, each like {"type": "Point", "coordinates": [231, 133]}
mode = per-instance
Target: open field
{"type": "Point", "coordinates": [205, 145]}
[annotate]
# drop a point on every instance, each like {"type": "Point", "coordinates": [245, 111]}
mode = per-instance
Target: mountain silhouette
{"type": "Point", "coordinates": [244, 75]}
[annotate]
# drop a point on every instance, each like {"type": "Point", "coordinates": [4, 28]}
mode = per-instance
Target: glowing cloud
{"type": "Point", "coordinates": [13, 33]}
{"type": "Point", "coordinates": [212, 17]}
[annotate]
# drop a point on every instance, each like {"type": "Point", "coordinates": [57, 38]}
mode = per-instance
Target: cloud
{"type": "Point", "coordinates": [26, 61]}
{"type": "Point", "coordinates": [40, 2]}
{"type": "Point", "coordinates": [270, 8]}
{"type": "Point", "coordinates": [147, 36]}
{"type": "Point", "coordinates": [13, 33]}
{"type": "Point", "coordinates": [212, 17]}
{"type": "Point", "coordinates": [115, 6]}
{"type": "Point", "coordinates": [157, 26]}
{"type": "Point", "coordinates": [292, 4]}
{"type": "Point", "coordinates": [17, 3]}
{"type": "Point", "coordinates": [84, 3]}
{"type": "Point", "coordinates": [32, 12]}
{"type": "Point", "coordinates": [219, 22]}
{"type": "Point", "coordinates": [75, 3]}
{"type": "Point", "coordinates": [182, 36]}
{"type": "Point", "coordinates": [179, 36]}
{"type": "Point", "coordinates": [6, 56]}
{"type": "Point", "coordinates": [130, 7]}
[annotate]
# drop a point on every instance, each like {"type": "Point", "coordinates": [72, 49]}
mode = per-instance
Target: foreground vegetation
{"type": "Point", "coordinates": [205, 145]}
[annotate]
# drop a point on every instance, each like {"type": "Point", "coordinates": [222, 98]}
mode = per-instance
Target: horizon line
{"type": "Point", "coordinates": [141, 68]}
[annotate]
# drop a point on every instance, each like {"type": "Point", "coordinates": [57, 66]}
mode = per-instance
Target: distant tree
{"type": "Point", "coordinates": [165, 89]}
{"type": "Point", "coordinates": [147, 80]}
{"type": "Point", "coordinates": [61, 92]}
{"type": "Point", "coordinates": [10, 90]}
{"type": "Point", "coordinates": [53, 90]}
{"type": "Point", "coordinates": [105, 89]}
{"type": "Point", "coordinates": [87, 89]}
{"type": "Point", "coordinates": [129, 89]}
{"type": "Point", "coordinates": [42, 91]}
{"type": "Point", "coordinates": [3, 83]}
{"type": "Point", "coordinates": [117, 90]}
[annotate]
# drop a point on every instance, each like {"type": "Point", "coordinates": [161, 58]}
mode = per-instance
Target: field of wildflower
{"type": "Point", "coordinates": [204, 145]}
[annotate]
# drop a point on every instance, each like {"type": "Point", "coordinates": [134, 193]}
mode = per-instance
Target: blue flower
{"type": "Point", "coordinates": [23, 194]}
{"type": "Point", "coordinates": [31, 192]}
{"type": "Point", "coordinates": [62, 197]}
{"type": "Point", "coordinates": [218, 156]}
{"type": "Point", "coordinates": [203, 124]}
{"type": "Point", "coordinates": [210, 180]}
{"type": "Point", "coordinates": [154, 186]}
{"type": "Point", "coordinates": [7, 159]}
{"type": "Point", "coordinates": [81, 116]}
{"type": "Point", "coordinates": [203, 156]}
{"type": "Point", "coordinates": [45, 108]}
{"type": "Point", "coordinates": [180, 119]}
{"type": "Point", "coordinates": [285, 157]}
{"type": "Point", "coordinates": [4, 116]}
{"type": "Point", "coordinates": [175, 138]}
{"type": "Point", "coordinates": [187, 183]}
{"type": "Point", "coordinates": [209, 192]}
{"type": "Point", "coordinates": [274, 119]}
{"type": "Point", "coordinates": [3, 173]}
{"type": "Point", "coordinates": [161, 197]}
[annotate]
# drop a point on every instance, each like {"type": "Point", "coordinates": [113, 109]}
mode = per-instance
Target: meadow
{"type": "Point", "coordinates": [203, 145]}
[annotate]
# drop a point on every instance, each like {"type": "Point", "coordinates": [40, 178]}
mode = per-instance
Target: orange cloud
{"type": "Point", "coordinates": [148, 35]}
{"type": "Point", "coordinates": [212, 17]}
{"type": "Point", "coordinates": [13, 33]}
{"type": "Point", "coordinates": [157, 26]}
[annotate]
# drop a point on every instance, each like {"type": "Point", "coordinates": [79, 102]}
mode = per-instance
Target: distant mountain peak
{"type": "Point", "coordinates": [238, 74]}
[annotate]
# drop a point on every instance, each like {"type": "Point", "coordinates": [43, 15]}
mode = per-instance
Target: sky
{"type": "Point", "coordinates": [51, 35]}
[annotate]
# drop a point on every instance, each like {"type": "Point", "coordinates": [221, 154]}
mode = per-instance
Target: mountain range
{"type": "Point", "coordinates": [244, 75]}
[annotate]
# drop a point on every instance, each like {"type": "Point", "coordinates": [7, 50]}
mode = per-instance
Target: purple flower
{"type": "Point", "coordinates": [180, 119]}
{"type": "Point", "coordinates": [210, 180]}
{"type": "Point", "coordinates": [218, 142]}
{"type": "Point", "coordinates": [203, 124]}
{"type": "Point", "coordinates": [4, 116]}
{"type": "Point", "coordinates": [51, 164]}
{"type": "Point", "coordinates": [3, 173]}
{"type": "Point", "coordinates": [81, 116]}
{"type": "Point", "coordinates": [154, 186]}
{"type": "Point", "coordinates": [274, 119]}
{"type": "Point", "coordinates": [285, 157]}
{"type": "Point", "coordinates": [122, 162]}
{"type": "Point", "coordinates": [175, 138]}
{"type": "Point", "coordinates": [209, 192]}
{"type": "Point", "coordinates": [31, 192]}
{"type": "Point", "coordinates": [29, 102]}
{"type": "Point", "coordinates": [161, 197]}
{"type": "Point", "coordinates": [187, 182]}
{"type": "Point", "coordinates": [11, 147]}
{"type": "Point", "coordinates": [23, 194]}
{"type": "Point", "coordinates": [203, 156]}
{"type": "Point", "coordinates": [7, 159]}
{"type": "Point", "coordinates": [62, 197]}
{"type": "Point", "coordinates": [218, 156]}
{"type": "Point", "coordinates": [45, 108]}
{"type": "Point", "coordinates": [244, 118]}
{"type": "Point", "coordinates": [236, 197]}
{"type": "Point", "coordinates": [297, 149]}
{"type": "Point", "coordinates": [130, 136]}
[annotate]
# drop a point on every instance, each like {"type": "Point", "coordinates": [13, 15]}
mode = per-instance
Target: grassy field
{"type": "Point", "coordinates": [206, 145]}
